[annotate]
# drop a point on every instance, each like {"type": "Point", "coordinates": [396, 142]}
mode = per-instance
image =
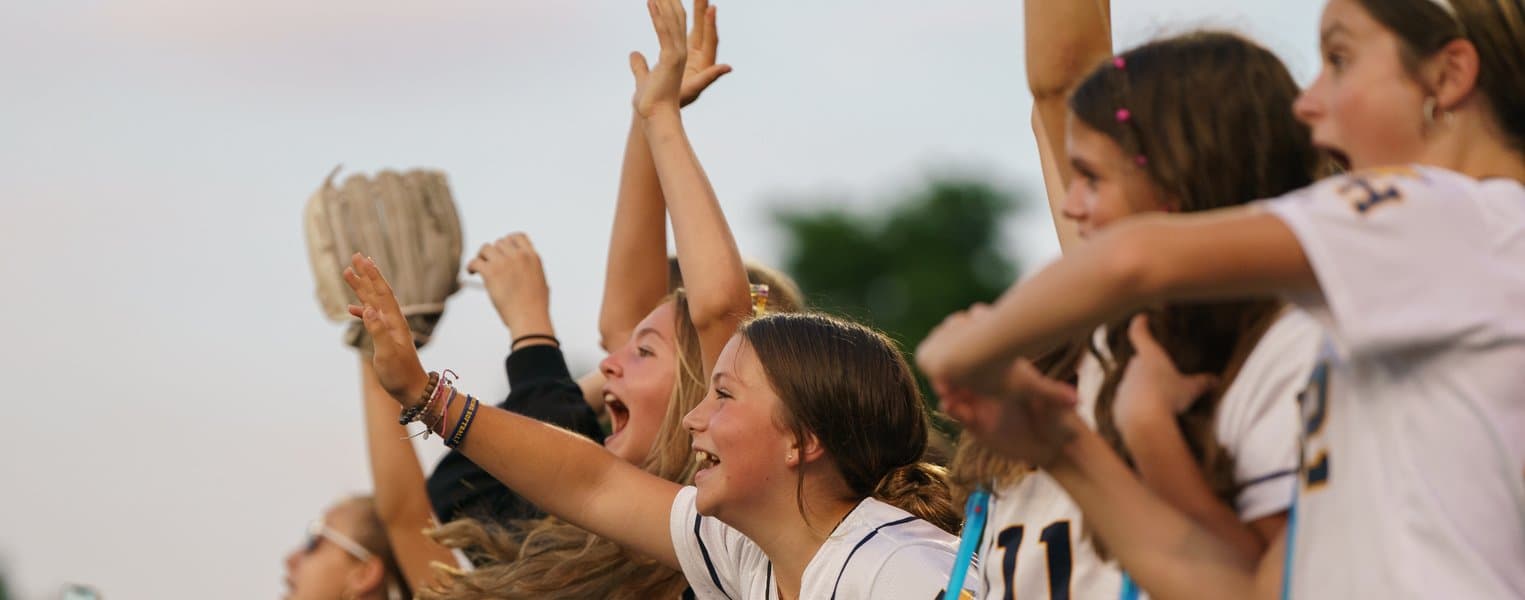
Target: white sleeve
{"type": "Point", "coordinates": [919, 572]}
{"type": "Point", "coordinates": [707, 549]}
{"type": "Point", "coordinates": [1358, 232]}
{"type": "Point", "coordinates": [1258, 419]}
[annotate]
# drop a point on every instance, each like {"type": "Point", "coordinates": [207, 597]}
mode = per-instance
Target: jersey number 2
{"type": "Point", "coordinates": [1056, 538]}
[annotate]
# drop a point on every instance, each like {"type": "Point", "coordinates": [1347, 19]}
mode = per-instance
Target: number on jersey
{"type": "Point", "coordinates": [1056, 541]}
{"type": "Point", "coordinates": [1315, 403]}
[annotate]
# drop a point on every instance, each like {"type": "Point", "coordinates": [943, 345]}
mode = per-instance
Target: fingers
{"type": "Point", "coordinates": [697, 33]}
{"type": "Point", "coordinates": [711, 45]}
{"type": "Point", "coordinates": [1199, 384]}
{"type": "Point", "coordinates": [1138, 333]}
{"type": "Point", "coordinates": [1051, 392]}
{"type": "Point", "coordinates": [708, 76]}
{"type": "Point", "coordinates": [668, 18]}
{"type": "Point", "coordinates": [639, 67]}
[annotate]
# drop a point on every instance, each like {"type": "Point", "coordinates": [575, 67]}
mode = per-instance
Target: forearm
{"type": "Point", "coordinates": [402, 499]}
{"type": "Point", "coordinates": [1066, 300]}
{"type": "Point", "coordinates": [1212, 255]}
{"type": "Point", "coordinates": [568, 476]}
{"type": "Point", "coordinates": [1065, 40]}
{"type": "Point", "coordinates": [1056, 177]}
{"type": "Point", "coordinates": [1166, 466]}
{"type": "Point", "coordinates": [1168, 554]}
{"type": "Point", "coordinates": [714, 276]}
{"type": "Point", "coordinates": [635, 280]}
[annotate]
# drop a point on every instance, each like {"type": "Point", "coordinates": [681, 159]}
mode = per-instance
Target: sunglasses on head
{"type": "Point", "coordinates": [318, 531]}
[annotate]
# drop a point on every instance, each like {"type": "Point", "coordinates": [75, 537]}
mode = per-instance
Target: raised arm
{"type": "Point", "coordinates": [713, 273]}
{"type": "Point", "coordinates": [563, 473]}
{"type": "Point", "coordinates": [1229, 253]}
{"type": "Point", "coordinates": [402, 501]}
{"type": "Point", "coordinates": [1064, 41]}
{"type": "Point", "coordinates": [636, 277]}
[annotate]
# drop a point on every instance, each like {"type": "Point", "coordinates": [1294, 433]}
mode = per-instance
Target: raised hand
{"type": "Point", "coordinates": [659, 89]}
{"type": "Point", "coordinates": [515, 281]}
{"type": "Point", "coordinates": [1152, 389]}
{"type": "Point", "coordinates": [703, 45]}
{"type": "Point", "coordinates": [396, 360]}
{"type": "Point", "coordinates": [1030, 422]}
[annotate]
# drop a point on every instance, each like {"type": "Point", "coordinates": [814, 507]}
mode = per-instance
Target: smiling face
{"type": "Point", "coordinates": [744, 451]}
{"type": "Point", "coordinates": [639, 380]}
{"type": "Point", "coordinates": [1364, 105]}
{"type": "Point", "coordinates": [1108, 184]}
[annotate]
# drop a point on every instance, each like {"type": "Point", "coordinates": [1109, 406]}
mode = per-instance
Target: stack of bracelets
{"type": "Point", "coordinates": [432, 395]}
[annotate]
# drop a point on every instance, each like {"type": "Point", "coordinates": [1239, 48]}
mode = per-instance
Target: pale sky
{"type": "Point", "coordinates": [179, 408]}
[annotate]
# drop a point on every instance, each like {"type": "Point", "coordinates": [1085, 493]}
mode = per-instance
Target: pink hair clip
{"type": "Point", "coordinates": [1123, 115]}
{"type": "Point", "coordinates": [1119, 62]}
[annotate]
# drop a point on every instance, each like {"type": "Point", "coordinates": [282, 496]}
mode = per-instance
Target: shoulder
{"type": "Point", "coordinates": [1376, 193]}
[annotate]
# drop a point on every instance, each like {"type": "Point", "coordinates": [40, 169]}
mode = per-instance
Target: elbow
{"type": "Point", "coordinates": [727, 309]}
{"type": "Point", "coordinates": [1052, 82]}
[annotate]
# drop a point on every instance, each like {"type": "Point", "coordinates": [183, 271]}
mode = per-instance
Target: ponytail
{"type": "Point", "coordinates": [922, 489]}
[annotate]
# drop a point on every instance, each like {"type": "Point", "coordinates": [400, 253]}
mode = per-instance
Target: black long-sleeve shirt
{"type": "Point", "coordinates": [540, 387]}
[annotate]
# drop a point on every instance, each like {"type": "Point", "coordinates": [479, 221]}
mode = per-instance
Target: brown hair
{"type": "Point", "coordinates": [1211, 113]}
{"type": "Point", "coordinates": [851, 388]}
{"type": "Point", "coordinates": [371, 534]}
{"type": "Point", "coordinates": [1496, 28]}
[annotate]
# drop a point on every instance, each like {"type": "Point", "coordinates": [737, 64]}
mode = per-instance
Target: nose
{"type": "Point", "coordinates": [293, 558]}
{"type": "Point", "coordinates": [609, 366]}
{"type": "Point", "coordinates": [1074, 205]}
{"type": "Point", "coordinates": [698, 419]}
{"type": "Point", "coordinates": [1307, 108]}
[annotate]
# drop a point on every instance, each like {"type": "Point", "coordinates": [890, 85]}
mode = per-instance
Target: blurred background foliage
{"type": "Point", "coordinates": [908, 264]}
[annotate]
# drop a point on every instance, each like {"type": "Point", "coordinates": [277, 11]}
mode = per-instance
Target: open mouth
{"type": "Point", "coordinates": [619, 414]}
{"type": "Point", "coordinates": [705, 459]}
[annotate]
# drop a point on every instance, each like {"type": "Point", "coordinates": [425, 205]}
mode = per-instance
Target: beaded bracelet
{"type": "Point", "coordinates": [468, 414]}
{"type": "Point", "coordinates": [410, 414]}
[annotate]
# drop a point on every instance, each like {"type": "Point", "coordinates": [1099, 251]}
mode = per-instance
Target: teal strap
{"type": "Point", "coordinates": [975, 512]}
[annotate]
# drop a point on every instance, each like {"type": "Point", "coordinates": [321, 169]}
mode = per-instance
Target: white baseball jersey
{"type": "Point", "coordinates": [1034, 546]}
{"type": "Point", "coordinates": [1413, 477]}
{"type": "Point", "coordinates": [878, 551]}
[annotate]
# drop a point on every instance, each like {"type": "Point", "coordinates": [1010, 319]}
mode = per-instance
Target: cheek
{"type": "Point", "coordinates": [1375, 123]}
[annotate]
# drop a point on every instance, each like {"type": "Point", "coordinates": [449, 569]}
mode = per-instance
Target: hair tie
{"type": "Point", "coordinates": [1141, 160]}
{"type": "Point", "coordinates": [1123, 115]}
{"type": "Point", "coordinates": [759, 293]}
{"type": "Point", "coordinates": [1119, 62]}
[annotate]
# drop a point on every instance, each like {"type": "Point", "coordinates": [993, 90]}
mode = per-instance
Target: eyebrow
{"type": "Point", "coordinates": [1082, 167]}
{"type": "Point", "coordinates": [648, 331]}
{"type": "Point", "coordinates": [1331, 31]}
{"type": "Point", "coordinates": [715, 379]}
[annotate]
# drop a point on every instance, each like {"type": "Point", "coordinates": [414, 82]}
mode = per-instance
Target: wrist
{"type": "Point", "coordinates": [1133, 424]}
{"type": "Point", "coordinates": [662, 118]}
{"type": "Point", "coordinates": [520, 327]}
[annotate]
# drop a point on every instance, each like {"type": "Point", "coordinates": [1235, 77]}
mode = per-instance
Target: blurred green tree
{"type": "Point", "coordinates": [908, 265]}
